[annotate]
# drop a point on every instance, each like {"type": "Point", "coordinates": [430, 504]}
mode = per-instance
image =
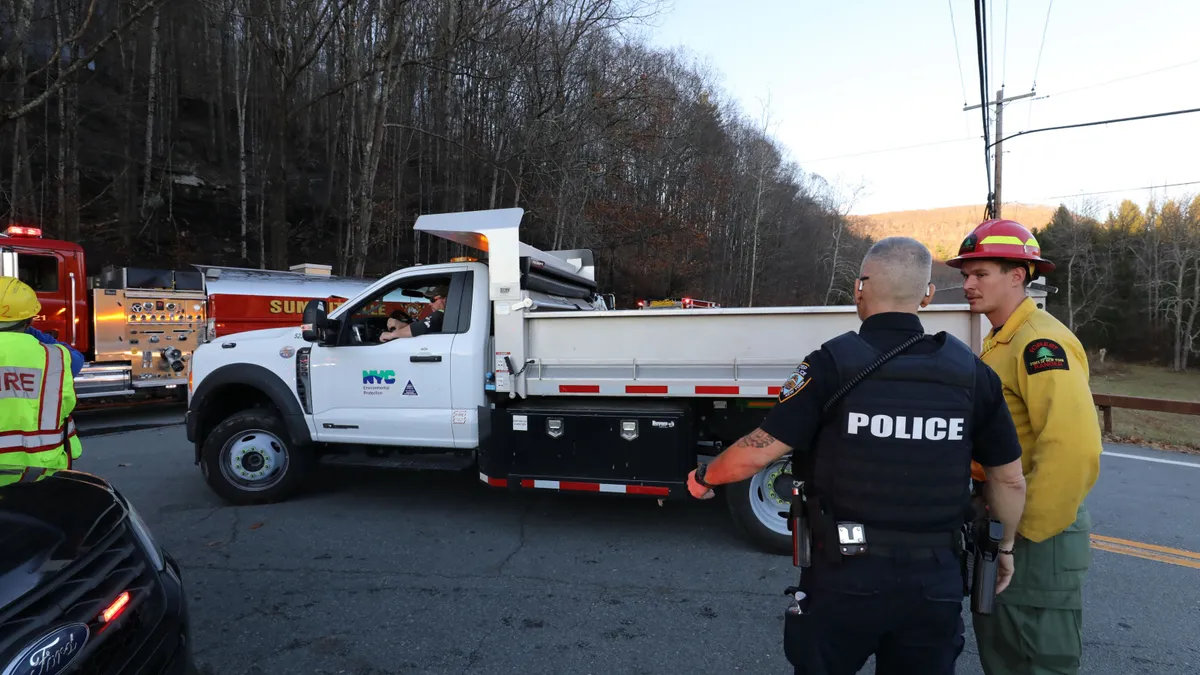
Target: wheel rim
{"type": "Point", "coordinates": [254, 460]}
{"type": "Point", "coordinates": [771, 496]}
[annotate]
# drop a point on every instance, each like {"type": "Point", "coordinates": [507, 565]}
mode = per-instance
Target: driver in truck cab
{"type": "Point", "coordinates": [430, 324]}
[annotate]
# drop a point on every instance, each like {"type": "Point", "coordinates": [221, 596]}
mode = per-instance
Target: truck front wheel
{"type": "Point", "coordinates": [760, 504]}
{"type": "Point", "coordinates": [249, 459]}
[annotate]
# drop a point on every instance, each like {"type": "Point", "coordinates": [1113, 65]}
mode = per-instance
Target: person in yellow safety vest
{"type": "Point", "coordinates": [18, 474]}
{"type": "Point", "coordinates": [1036, 627]}
{"type": "Point", "coordinates": [37, 391]}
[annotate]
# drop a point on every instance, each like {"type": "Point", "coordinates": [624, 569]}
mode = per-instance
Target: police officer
{"type": "Point", "coordinates": [1037, 624]}
{"type": "Point", "coordinates": [37, 392]}
{"type": "Point", "coordinates": [893, 456]}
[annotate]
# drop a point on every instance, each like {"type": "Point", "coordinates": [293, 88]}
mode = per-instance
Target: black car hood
{"type": "Point", "coordinates": [47, 524]}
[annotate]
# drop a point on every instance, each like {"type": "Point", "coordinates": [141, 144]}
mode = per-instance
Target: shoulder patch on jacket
{"type": "Point", "coordinates": [795, 383]}
{"type": "Point", "coordinates": [1044, 354]}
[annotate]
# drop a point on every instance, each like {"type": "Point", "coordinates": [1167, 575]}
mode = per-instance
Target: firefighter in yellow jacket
{"type": "Point", "coordinates": [1037, 625]}
{"type": "Point", "coordinates": [37, 391]}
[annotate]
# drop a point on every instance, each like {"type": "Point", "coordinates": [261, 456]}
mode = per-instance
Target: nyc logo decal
{"type": "Point", "coordinates": [377, 382]}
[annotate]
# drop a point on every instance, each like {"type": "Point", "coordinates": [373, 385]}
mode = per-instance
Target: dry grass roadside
{"type": "Point", "coordinates": [1164, 430]}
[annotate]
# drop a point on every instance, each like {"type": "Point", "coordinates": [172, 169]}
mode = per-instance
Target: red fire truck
{"type": "Point", "coordinates": [679, 303]}
{"type": "Point", "coordinates": [137, 327]}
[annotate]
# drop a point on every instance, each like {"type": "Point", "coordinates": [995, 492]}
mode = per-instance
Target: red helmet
{"type": "Point", "coordinates": [1006, 239]}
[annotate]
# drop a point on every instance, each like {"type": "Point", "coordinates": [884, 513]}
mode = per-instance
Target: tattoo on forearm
{"type": "Point", "coordinates": [757, 439]}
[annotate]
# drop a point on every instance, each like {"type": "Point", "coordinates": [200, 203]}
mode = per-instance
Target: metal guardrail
{"type": "Point", "coordinates": [1106, 402]}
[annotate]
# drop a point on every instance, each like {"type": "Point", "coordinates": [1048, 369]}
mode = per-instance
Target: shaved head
{"type": "Point", "coordinates": [899, 271]}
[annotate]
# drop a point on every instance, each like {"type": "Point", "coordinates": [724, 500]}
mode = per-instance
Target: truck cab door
{"type": "Point", "coordinates": [45, 272]}
{"type": "Point", "coordinates": [398, 392]}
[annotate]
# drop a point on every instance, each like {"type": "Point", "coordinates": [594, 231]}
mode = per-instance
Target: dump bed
{"type": "Point", "coordinates": [554, 336]}
{"type": "Point", "coordinates": [737, 352]}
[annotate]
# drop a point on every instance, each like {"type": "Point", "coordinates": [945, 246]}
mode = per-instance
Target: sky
{"type": "Point", "coordinates": [859, 76]}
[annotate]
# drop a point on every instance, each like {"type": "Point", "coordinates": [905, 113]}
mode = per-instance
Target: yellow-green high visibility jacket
{"type": "Point", "coordinates": [37, 396]}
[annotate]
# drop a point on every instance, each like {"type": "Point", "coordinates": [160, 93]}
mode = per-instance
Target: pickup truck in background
{"type": "Point", "coordinates": [534, 381]}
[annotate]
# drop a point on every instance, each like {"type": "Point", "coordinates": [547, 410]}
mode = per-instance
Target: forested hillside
{"type": "Point", "coordinates": [943, 229]}
{"type": "Point", "coordinates": [267, 133]}
{"type": "Point", "coordinates": [1129, 281]}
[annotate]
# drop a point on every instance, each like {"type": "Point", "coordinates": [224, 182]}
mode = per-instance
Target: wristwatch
{"type": "Point", "coordinates": [700, 471]}
{"type": "Point", "coordinates": [1006, 551]}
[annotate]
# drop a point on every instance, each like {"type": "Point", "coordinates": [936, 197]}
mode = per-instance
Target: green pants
{"type": "Point", "coordinates": [1037, 625]}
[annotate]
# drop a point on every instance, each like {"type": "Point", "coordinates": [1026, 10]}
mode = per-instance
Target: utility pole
{"type": "Point", "coordinates": [999, 103]}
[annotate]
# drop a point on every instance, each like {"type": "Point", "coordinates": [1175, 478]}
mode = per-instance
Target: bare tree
{"type": "Point", "coordinates": [1088, 265]}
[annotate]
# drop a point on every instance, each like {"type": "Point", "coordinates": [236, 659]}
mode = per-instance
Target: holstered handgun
{"type": "Point", "coordinates": [798, 523]}
{"type": "Point", "coordinates": [986, 565]}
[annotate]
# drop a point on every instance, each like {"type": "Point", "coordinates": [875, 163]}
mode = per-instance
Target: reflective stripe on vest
{"type": "Point", "coordinates": [20, 383]}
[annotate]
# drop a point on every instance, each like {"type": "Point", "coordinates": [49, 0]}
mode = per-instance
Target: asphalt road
{"type": "Point", "coordinates": [378, 573]}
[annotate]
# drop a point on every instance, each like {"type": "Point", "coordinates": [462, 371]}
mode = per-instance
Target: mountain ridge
{"type": "Point", "coordinates": [943, 229]}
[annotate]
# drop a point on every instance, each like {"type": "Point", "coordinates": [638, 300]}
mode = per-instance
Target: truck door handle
{"type": "Point", "coordinates": [433, 358]}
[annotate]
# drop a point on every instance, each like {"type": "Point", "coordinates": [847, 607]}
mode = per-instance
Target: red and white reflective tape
{"type": "Point", "coordinates": [622, 389]}
{"type": "Point", "coordinates": [35, 441]}
{"type": "Point", "coordinates": [578, 486]}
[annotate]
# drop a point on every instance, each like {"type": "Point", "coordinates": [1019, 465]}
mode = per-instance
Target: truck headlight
{"type": "Point", "coordinates": [142, 532]}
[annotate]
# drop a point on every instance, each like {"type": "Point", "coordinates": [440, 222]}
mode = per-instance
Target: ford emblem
{"type": "Point", "coordinates": [51, 653]}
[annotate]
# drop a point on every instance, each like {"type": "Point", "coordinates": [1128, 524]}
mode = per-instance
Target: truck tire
{"type": "Point", "coordinates": [249, 458]}
{"type": "Point", "coordinates": [759, 506]}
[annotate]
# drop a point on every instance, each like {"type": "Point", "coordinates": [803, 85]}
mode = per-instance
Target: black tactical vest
{"type": "Point", "coordinates": [895, 453]}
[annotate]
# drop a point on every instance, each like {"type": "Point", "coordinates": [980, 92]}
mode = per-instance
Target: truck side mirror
{"type": "Point", "coordinates": [315, 321]}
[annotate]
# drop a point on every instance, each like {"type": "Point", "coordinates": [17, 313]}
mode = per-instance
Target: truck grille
{"type": "Point", "coordinates": [114, 563]}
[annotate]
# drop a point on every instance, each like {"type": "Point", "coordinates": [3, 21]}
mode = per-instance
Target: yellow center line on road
{"type": "Point", "coordinates": [1137, 549]}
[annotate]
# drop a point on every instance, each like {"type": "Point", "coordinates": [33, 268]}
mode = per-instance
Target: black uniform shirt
{"type": "Point", "coordinates": [797, 419]}
{"type": "Point", "coordinates": [431, 324]}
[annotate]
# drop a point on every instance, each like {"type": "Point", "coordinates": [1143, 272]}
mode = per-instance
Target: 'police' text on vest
{"type": "Point", "coordinates": [912, 428]}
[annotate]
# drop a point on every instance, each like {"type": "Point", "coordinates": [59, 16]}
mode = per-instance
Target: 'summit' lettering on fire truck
{"type": "Point", "coordinates": [378, 309]}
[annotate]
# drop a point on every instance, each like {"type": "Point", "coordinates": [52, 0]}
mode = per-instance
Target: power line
{"type": "Point", "coordinates": [991, 36]}
{"type": "Point", "coordinates": [1109, 192]}
{"type": "Point", "coordinates": [1004, 68]}
{"type": "Point", "coordinates": [1092, 124]}
{"type": "Point", "coordinates": [1045, 28]}
{"type": "Point", "coordinates": [1120, 79]}
{"type": "Point", "coordinates": [1038, 67]}
{"type": "Point", "coordinates": [981, 48]}
{"type": "Point", "coordinates": [954, 31]}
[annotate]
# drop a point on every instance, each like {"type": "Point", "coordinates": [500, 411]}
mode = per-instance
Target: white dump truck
{"type": "Point", "coordinates": [533, 381]}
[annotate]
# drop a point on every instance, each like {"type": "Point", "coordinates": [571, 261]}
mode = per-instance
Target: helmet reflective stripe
{"type": "Point", "coordinates": [1002, 239]}
{"type": "Point", "coordinates": [1005, 239]}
